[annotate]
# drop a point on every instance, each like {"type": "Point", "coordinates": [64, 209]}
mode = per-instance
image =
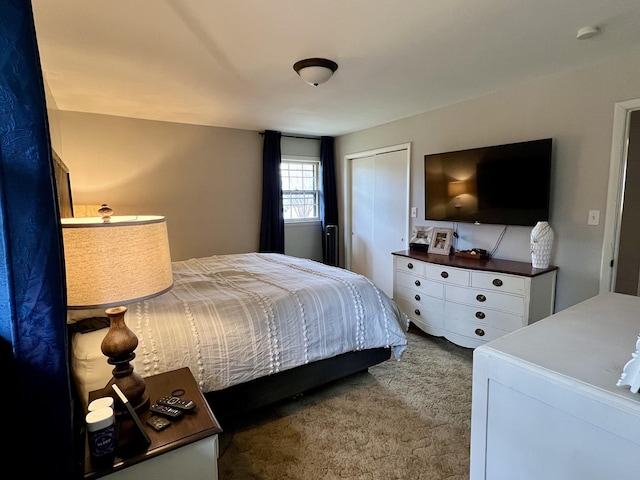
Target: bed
{"type": "Point", "coordinates": [253, 329]}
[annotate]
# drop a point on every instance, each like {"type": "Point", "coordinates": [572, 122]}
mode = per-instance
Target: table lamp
{"type": "Point", "coordinates": [110, 262]}
{"type": "Point", "coordinates": [455, 189]}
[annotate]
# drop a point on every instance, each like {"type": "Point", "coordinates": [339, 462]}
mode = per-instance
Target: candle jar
{"type": "Point", "coordinates": [101, 434]}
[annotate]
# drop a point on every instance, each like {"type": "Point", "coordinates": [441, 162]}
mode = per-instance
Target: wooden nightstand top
{"type": "Point", "coordinates": [188, 428]}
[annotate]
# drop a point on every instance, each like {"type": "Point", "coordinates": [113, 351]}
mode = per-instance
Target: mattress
{"type": "Point", "coordinates": [233, 318]}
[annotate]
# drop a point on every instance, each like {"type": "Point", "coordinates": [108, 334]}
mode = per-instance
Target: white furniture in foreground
{"type": "Point", "coordinates": [545, 404]}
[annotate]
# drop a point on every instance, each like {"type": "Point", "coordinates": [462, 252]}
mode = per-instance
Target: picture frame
{"type": "Point", "coordinates": [63, 186]}
{"type": "Point", "coordinates": [420, 238]}
{"type": "Point", "coordinates": [420, 234]}
{"type": "Point", "coordinates": [441, 241]}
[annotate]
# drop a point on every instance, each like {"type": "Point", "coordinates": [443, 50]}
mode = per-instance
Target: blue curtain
{"type": "Point", "coordinates": [329, 200]}
{"type": "Point", "coordinates": [272, 224]}
{"type": "Point", "coordinates": [33, 341]}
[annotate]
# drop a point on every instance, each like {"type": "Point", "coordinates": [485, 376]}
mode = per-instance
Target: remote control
{"type": "Point", "coordinates": [158, 423]}
{"type": "Point", "coordinates": [165, 410]}
{"type": "Point", "coordinates": [176, 402]}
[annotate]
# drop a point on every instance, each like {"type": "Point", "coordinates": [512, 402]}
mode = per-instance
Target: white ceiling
{"type": "Point", "coordinates": [228, 63]}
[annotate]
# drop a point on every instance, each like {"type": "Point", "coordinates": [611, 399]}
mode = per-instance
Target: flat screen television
{"type": "Point", "coordinates": [502, 184]}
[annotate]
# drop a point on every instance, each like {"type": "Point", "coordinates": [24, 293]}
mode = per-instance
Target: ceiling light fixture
{"type": "Point", "coordinates": [315, 71]}
{"type": "Point", "coordinates": [587, 32]}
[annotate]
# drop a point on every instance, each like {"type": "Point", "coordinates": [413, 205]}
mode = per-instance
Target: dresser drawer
{"type": "Point", "coordinates": [414, 299]}
{"type": "Point", "coordinates": [404, 264]}
{"type": "Point", "coordinates": [427, 313]}
{"type": "Point", "coordinates": [499, 282]}
{"type": "Point", "coordinates": [420, 284]}
{"type": "Point", "coordinates": [485, 299]}
{"type": "Point", "coordinates": [449, 275]}
{"type": "Point", "coordinates": [478, 331]}
{"type": "Point", "coordinates": [472, 315]}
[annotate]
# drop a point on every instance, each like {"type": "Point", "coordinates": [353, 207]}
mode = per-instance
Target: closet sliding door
{"type": "Point", "coordinates": [379, 213]}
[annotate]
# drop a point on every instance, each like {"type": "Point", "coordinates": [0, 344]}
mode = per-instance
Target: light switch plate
{"type": "Point", "coordinates": [594, 217]}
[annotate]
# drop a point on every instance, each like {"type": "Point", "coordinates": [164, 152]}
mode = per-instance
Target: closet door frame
{"type": "Point", "coordinates": [348, 194]}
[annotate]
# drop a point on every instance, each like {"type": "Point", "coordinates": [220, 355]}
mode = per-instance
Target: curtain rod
{"type": "Point", "coordinates": [295, 136]}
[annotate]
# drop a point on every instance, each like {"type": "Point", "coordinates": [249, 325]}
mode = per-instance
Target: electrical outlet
{"type": "Point", "coordinates": [594, 217]}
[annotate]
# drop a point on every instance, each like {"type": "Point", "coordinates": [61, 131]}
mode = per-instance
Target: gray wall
{"type": "Point", "coordinates": [206, 181]}
{"type": "Point", "coordinates": [575, 108]}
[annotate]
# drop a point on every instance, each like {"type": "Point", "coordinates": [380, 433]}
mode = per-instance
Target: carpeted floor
{"type": "Point", "coordinates": [401, 420]}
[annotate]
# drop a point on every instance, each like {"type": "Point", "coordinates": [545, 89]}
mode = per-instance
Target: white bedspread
{"type": "Point", "coordinates": [233, 318]}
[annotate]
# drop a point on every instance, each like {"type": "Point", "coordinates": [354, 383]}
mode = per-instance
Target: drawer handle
{"type": "Point", "coordinates": [417, 283]}
{"type": "Point", "coordinates": [444, 275]}
{"type": "Point", "coordinates": [497, 282]}
{"type": "Point", "coordinates": [417, 297]}
{"type": "Point", "coordinates": [480, 315]}
{"type": "Point", "coordinates": [417, 312]}
{"type": "Point", "coordinates": [481, 298]}
{"type": "Point", "coordinates": [409, 265]}
{"type": "Point", "coordinates": [479, 332]}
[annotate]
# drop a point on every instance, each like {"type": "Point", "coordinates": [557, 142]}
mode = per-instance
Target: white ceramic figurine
{"type": "Point", "coordinates": [631, 371]}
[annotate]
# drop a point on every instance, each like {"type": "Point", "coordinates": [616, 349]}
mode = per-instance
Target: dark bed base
{"type": "Point", "coordinates": [233, 401]}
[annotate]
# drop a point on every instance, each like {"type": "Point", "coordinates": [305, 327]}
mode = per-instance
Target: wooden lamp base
{"type": "Point", "coordinates": [119, 345]}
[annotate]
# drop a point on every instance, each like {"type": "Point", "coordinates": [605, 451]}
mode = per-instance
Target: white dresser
{"type": "Point", "coordinates": [471, 302]}
{"type": "Point", "coordinates": [545, 404]}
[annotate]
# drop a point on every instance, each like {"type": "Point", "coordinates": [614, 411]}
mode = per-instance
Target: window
{"type": "Point", "coordinates": [300, 192]}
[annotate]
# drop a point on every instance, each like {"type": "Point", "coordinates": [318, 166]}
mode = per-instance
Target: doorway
{"type": "Point", "coordinates": [620, 265]}
{"type": "Point", "coordinates": [627, 278]}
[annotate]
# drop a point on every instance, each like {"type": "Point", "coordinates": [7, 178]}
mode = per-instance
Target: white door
{"type": "Point", "coordinates": [379, 213]}
{"type": "Point", "coordinates": [362, 215]}
{"type": "Point", "coordinates": [615, 196]}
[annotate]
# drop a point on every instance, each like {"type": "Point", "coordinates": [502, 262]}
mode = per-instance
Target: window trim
{"type": "Point", "coordinates": [305, 159]}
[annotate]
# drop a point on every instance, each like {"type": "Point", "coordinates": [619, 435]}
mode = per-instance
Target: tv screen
{"type": "Point", "coordinates": [501, 184]}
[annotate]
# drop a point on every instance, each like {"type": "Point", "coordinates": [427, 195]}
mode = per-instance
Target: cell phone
{"type": "Point", "coordinates": [133, 413]}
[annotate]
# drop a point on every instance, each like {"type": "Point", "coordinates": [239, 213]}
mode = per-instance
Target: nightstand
{"type": "Point", "coordinates": [188, 448]}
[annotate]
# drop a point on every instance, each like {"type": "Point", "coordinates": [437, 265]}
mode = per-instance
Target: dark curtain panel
{"type": "Point", "coordinates": [33, 343]}
{"type": "Point", "coordinates": [329, 200]}
{"type": "Point", "coordinates": [272, 224]}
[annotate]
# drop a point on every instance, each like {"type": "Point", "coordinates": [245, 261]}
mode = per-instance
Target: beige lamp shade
{"type": "Point", "coordinates": [115, 263]}
{"type": "Point", "coordinates": [455, 189]}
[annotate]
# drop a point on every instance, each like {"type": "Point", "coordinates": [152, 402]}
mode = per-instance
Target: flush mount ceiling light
{"type": "Point", "coordinates": [587, 32]}
{"type": "Point", "coordinates": [315, 71]}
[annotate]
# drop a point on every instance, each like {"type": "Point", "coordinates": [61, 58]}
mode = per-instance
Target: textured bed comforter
{"type": "Point", "coordinates": [233, 318]}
